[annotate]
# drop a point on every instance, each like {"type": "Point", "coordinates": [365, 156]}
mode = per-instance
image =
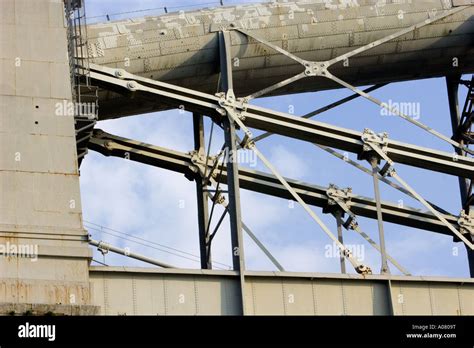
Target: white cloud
{"type": "Point", "coordinates": [288, 163]}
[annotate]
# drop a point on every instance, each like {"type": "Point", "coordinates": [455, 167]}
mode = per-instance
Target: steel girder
{"type": "Point", "coordinates": [279, 122]}
{"type": "Point", "coordinates": [186, 163]}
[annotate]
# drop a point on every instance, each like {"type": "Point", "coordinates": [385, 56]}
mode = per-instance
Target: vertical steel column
{"type": "Point", "coordinates": [202, 195]}
{"type": "Point", "coordinates": [234, 195]}
{"type": "Point", "coordinates": [452, 84]}
{"type": "Point", "coordinates": [383, 252]}
{"type": "Point", "coordinates": [232, 165]}
{"type": "Point", "coordinates": [234, 204]}
{"type": "Point", "coordinates": [338, 214]}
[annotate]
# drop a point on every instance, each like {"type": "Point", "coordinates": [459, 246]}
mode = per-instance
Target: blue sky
{"type": "Point", "coordinates": [148, 202]}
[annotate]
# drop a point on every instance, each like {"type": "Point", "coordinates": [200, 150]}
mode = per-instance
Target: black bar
{"type": "Point", "coordinates": [153, 330]}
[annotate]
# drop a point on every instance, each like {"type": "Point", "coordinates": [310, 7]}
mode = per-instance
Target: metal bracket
{"type": "Point", "coordinates": [228, 100]}
{"type": "Point", "coordinates": [316, 68]}
{"type": "Point", "coordinates": [389, 170]}
{"type": "Point", "coordinates": [377, 145]}
{"type": "Point", "coordinates": [219, 198]}
{"type": "Point", "coordinates": [466, 223]}
{"type": "Point", "coordinates": [335, 192]}
{"type": "Point", "coordinates": [103, 248]}
{"type": "Point", "coordinates": [342, 198]}
{"type": "Point", "coordinates": [370, 137]}
{"type": "Point", "coordinates": [199, 165]}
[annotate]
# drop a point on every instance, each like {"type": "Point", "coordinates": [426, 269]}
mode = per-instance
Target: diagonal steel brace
{"type": "Point", "coordinates": [320, 69]}
{"type": "Point", "coordinates": [342, 198]}
{"type": "Point", "coordinates": [388, 169]}
{"type": "Point", "coordinates": [247, 143]}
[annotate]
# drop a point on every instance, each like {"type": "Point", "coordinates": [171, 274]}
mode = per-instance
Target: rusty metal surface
{"type": "Point", "coordinates": [182, 48]}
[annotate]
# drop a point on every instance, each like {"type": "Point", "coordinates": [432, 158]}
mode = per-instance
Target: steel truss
{"type": "Point", "coordinates": [316, 132]}
{"type": "Point", "coordinates": [193, 167]}
{"type": "Point", "coordinates": [279, 122]}
{"type": "Point", "coordinates": [233, 114]}
{"type": "Point", "coordinates": [188, 164]}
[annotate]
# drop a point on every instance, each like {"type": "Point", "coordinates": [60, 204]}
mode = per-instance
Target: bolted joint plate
{"type": "Point", "coordinates": [466, 224]}
{"type": "Point", "coordinates": [336, 197]}
{"type": "Point", "coordinates": [316, 68]}
{"type": "Point", "coordinates": [369, 137]}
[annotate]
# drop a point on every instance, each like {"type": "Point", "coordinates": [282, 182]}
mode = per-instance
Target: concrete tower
{"type": "Point", "coordinates": [44, 251]}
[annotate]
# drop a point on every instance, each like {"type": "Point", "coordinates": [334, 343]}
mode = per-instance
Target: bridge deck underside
{"type": "Point", "coordinates": [182, 48]}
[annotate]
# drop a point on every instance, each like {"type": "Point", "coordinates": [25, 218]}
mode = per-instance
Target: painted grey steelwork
{"type": "Point", "coordinates": [254, 49]}
{"type": "Point", "coordinates": [104, 247]}
{"type": "Point", "coordinates": [411, 26]}
{"type": "Point", "coordinates": [279, 122]}
{"type": "Point", "coordinates": [225, 109]}
{"type": "Point", "coordinates": [183, 48]}
{"type": "Point", "coordinates": [238, 110]}
{"type": "Point", "coordinates": [111, 145]}
{"type": "Point", "coordinates": [122, 290]}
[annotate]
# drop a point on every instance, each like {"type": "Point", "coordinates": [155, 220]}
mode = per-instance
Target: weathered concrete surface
{"type": "Point", "coordinates": [149, 291]}
{"type": "Point", "coordinates": [22, 309]}
{"type": "Point", "coordinates": [40, 203]}
{"type": "Point", "coordinates": [182, 48]}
